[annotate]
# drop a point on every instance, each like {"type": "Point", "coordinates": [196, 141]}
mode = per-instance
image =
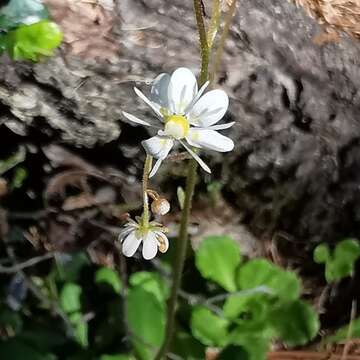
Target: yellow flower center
{"type": "Point", "coordinates": [176, 126]}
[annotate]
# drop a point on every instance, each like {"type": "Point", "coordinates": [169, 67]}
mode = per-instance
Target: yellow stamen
{"type": "Point", "coordinates": [176, 126]}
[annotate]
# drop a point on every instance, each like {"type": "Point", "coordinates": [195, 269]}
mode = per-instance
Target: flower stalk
{"type": "Point", "coordinates": [145, 181]}
{"type": "Point", "coordinates": [182, 242]}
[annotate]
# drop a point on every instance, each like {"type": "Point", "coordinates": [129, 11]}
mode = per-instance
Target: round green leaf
{"type": "Point", "coordinates": [256, 346]}
{"type": "Point", "coordinates": [217, 259]}
{"type": "Point", "coordinates": [30, 42]}
{"type": "Point", "coordinates": [146, 319]}
{"type": "Point", "coordinates": [262, 273]}
{"type": "Point", "coordinates": [70, 296]}
{"type": "Point", "coordinates": [151, 282]}
{"type": "Point", "coordinates": [296, 323]}
{"type": "Point", "coordinates": [109, 276]}
{"type": "Point", "coordinates": [208, 328]}
{"type": "Point", "coordinates": [321, 254]}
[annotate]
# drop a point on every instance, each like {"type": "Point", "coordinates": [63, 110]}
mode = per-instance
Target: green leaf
{"type": "Point", "coordinates": [217, 259]}
{"type": "Point", "coordinates": [187, 347]}
{"type": "Point", "coordinates": [31, 42]}
{"type": "Point", "coordinates": [208, 328]}
{"type": "Point", "coordinates": [256, 346]}
{"type": "Point", "coordinates": [249, 312]}
{"type": "Point", "coordinates": [81, 328]}
{"type": "Point", "coordinates": [321, 253]}
{"type": "Point", "coordinates": [116, 357]}
{"type": "Point", "coordinates": [19, 12]}
{"type": "Point", "coordinates": [146, 319]}
{"type": "Point", "coordinates": [110, 277]}
{"type": "Point", "coordinates": [70, 298]}
{"type": "Point", "coordinates": [351, 330]}
{"type": "Point", "coordinates": [296, 323]}
{"type": "Point", "coordinates": [13, 160]}
{"type": "Point", "coordinates": [151, 282]}
{"type": "Point", "coordinates": [11, 320]}
{"type": "Point", "coordinates": [19, 177]}
{"type": "Point", "coordinates": [262, 273]}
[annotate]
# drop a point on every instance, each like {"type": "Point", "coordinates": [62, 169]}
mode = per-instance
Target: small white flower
{"type": "Point", "coordinates": [184, 114]}
{"type": "Point", "coordinates": [152, 236]}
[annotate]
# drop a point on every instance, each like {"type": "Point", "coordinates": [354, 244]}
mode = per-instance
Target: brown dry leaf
{"type": "Point", "coordinates": [342, 15]}
{"type": "Point", "coordinates": [87, 28]}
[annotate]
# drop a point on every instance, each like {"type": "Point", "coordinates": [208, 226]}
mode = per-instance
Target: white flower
{"type": "Point", "coordinates": [184, 114]}
{"type": "Point", "coordinates": [152, 236]}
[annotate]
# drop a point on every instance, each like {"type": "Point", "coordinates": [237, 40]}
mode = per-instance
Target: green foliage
{"type": "Point", "coordinates": [351, 330]}
{"type": "Point", "coordinates": [70, 302]}
{"type": "Point", "coordinates": [217, 259]}
{"type": "Point", "coordinates": [188, 347]}
{"type": "Point", "coordinates": [19, 177]}
{"type": "Point", "coordinates": [260, 272]}
{"type": "Point", "coordinates": [28, 34]}
{"type": "Point", "coordinates": [116, 357]}
{"type": "Point", "coordinates": [263, 303]}
{"type": "Point", "coordinates": [18, 12]}
{"type": "Point", "coordinates": [146, 319]}
{"type": "Point", "coordinates": [110, 277]}
{"type": "Point", "coordinates": [12, 160]}
{"type": "Point", "coordinates": [17, 350]}
{"type": "Point", "coordinates": [234, 352]}
{"type": "Point", "coordinates": [32, 42]}
{"type": "Point", "coordinates": [294, 322]}
{"type": "Point", "coordinates": [340, 262]}
{"type": "Point", "coordinates": [208, 327]}
{"type": "Point", "coordinates": [151, 282]}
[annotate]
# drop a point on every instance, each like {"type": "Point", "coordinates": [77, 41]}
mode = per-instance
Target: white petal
{"type": "Point", "coordinates": [182, 90]}
{"type": "Point", "coordinates": [221, 126]}
{"type": "Point", "coordinates": [197, 97]}
{"type": "Point", "coordinates": [209, 139]}
{"type": "Point", "coordinates": [159, 90]}
{"type": "Point", "coordinates": [158, 146]}
{"type": "Point", "coordinates": [125, 232]}
{"type": "Point", "coordinates": [165, 240]}
{"type": "Point", "coordinates": [196, 157]}
{"type": "Point", "coordinates": [155, 168]}
{"type": "Point", "coordinates": [150, 246]}
{"type": "Point", "coordinates": [136, 120]}
{"type": "Point", "coordinates": [209, 109]}
{"type": "Point", "coordinates": [153, 106]}
{"type": "Point", "coordinates": [130, 245]}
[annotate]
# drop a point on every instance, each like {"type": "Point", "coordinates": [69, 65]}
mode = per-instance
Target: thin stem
{"type": "Point", "coordinates": [214, 23]}
{"type": "Point", "coordinates": [220, 49]}
{"type": "Point", "coordinates": [145, 181]}
{"type": "Point", "coordinates": [181, 247]}
{"type": "Point", "coordinates": [204, 47]}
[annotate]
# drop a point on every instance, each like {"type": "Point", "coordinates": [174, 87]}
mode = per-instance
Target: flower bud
{"type": "Point", "coordinates": [160, 206]}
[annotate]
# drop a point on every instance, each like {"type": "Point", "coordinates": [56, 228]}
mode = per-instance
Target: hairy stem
{"type": "Point", "coordinates": [182, 242]}
{"type": "Point", "coordinates": [220, 49]}
{"type": "Point", "coordinates": [145, 180]}
{"type": "Point", "coordinates": [214, 23]}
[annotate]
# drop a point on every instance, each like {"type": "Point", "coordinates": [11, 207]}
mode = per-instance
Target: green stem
{"type": "Point", "coordinates": [182, 241]}
{"type": "Point", "coordinates": [145, 181]}
{"type": "Point", "coordinates": [204, 47]}
{"type": "Point", "coordinates": [220, 49]}
{"type": "Point", "coordinates": [214, 23]}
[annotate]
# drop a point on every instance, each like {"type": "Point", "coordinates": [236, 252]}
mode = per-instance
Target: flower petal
{"type": "Point", "coordinates": [150, 246]}
{"type": "Point", "coordinates": [155, 168]}
{"type": "Point", "coordinates": [153, 106]}
{"type": "Point", "coordinates": [182, 90]}
{"type": "Point", "coordinates": [125, 232]}
{"type": "Point", "coordinates": [130, 245]}
{"type": "Point", "coordinates": [209, 139]}
{"type": "Point", "coordinates": [159, 90]}
{"type": "Point", "coordinates": [196, 157]}
{"type": "Point", "coordinates": [158, 146]}
{"type": "Point", "coordinates": [197, 97]}
{"type": "Point", "coordinates": [209, 109]}
{"type": "Point", "coordinates": [136, 120]}
{"type": "Point", "coordinates": [163, 243]}
{"type": "Point", "coordinates": [221, 126]}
